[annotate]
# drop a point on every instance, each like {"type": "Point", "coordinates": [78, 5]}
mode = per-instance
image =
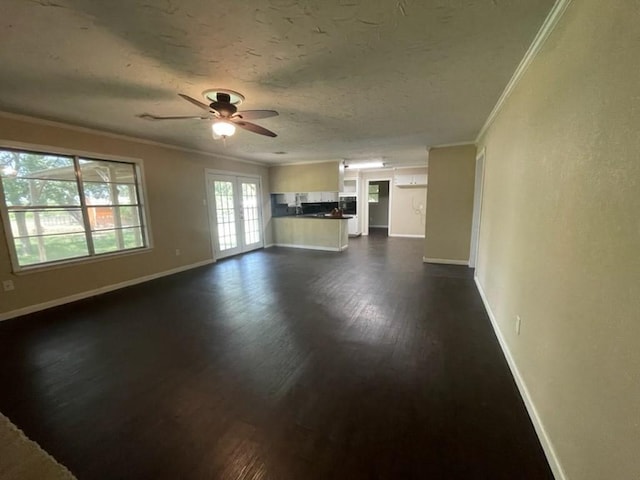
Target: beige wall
{"type": "Point", "coordinates": [450, 203]}
{"type": "Point", "coordinates": [175, 193]}
{"type": "Point", "coordinates": [315, 177]}
{"type": "Point", "coordinates": [409, 206]}
{"type": "Point", "coordinates": [405, 217]}
{"type": "Point", "coordinates": [560, 237]}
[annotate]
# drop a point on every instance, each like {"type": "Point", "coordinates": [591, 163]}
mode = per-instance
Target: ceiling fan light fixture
{"type": "Point", "coordinates": [223, 129]}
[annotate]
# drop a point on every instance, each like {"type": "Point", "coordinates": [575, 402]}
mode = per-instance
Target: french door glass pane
{"type": "Point", "coordinates": [225, 215]}
{"type": "Point", "coordinates": [250, 211]}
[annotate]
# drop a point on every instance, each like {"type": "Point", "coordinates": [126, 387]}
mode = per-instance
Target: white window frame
{"type": "Point", "coordinates": [141, 188]}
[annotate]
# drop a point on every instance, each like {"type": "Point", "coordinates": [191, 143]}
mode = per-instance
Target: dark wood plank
{"type": "Point", "coordinates": [279, 364]}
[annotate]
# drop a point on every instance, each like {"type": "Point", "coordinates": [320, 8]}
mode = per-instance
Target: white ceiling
{"type": "Point", "coordinates": [351, 79]}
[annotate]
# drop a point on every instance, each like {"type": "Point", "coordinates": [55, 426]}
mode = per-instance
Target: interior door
{"type": "Point", "coordinates": [236, 215]}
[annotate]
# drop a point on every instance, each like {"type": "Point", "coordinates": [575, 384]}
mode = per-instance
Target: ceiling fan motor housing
{"type": "Point", "coordinates": [223, 105]}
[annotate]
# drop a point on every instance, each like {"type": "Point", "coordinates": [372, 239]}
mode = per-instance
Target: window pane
{"type": "Point", "coordinates": [110, 194]}
{"type": "Point", "coordinates": [35, 165]}
{"type": "Point", "coordinates": [41, 249]}
{"type": "Point", "coordinates": [107, 172]}
{"type": "Point", "coordinates": [374, 188]}
{"type": "Point", "coordinates": [45, 222]}
{"type": "Point", "coordinates": [106, 241]}
{"type": "Point", "coordinates": [40, 193]}
{"type": "Point", "coordinates": [105, 218]}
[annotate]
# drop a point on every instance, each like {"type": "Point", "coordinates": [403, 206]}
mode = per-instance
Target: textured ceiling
{"type": "Point", "coordinates": [351, 78]}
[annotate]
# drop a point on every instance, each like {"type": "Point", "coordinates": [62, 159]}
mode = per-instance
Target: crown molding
{"type": "Point", "coordinates": [128, 138]}
{"type": "Point", "coordinates": [309, 162]}
{"type": "Point", "coordinates": [449, 145]}
{"type": "Point", "coordinates": [545, 30]}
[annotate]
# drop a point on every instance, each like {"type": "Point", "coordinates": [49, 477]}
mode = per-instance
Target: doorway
{"type": "Point", "coordinates": [235, 214]}
{"type": "Point", "coordinates": [378, 207]}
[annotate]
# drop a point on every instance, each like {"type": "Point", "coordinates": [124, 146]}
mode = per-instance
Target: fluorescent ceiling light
{"type": "Point", "coordinates": [223, 129]}
{"type": "Point", "coordinates": [356, 166]}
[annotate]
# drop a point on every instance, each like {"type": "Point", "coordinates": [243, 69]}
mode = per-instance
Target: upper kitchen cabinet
{"type": "Point", "coordinates": [410, 180]}
{"type": "Point", "coordinates": [350, 187]}
{"type": "Point", "coordinates": [313, 177]}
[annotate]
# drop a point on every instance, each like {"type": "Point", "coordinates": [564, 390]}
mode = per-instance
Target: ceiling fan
{"type": "Point", "coordinates": [224, 114]}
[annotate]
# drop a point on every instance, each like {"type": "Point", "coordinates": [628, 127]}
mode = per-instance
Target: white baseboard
{"type": "Point", "coordinates": [445, 261]}
{"type": "Point", "coordinates": [309, 247]}
{"type": "Point", "coordinates": [378, 226]}
{"type": "Point", "coordinates": [98, 291]}
{"type": "Point", "coordinates": [270, 245]}
{"type": "Point", "coordinates": [545, 441]}
{"type": "Point", "coordinates": [402, 235]}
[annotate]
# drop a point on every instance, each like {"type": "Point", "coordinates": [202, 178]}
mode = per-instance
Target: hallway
{"type": "Point", "coordinates": [279, 364]}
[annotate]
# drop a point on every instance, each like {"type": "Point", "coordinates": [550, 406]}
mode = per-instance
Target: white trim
{"type": "Point", "coordinates": [309, 162]}
{"type": "Point", "coordinates": [445, 261]}
{"type": "Point", "coordinates": [411, 167]}
{"type": "Point", "coordinates": [98, 291]}
{"type": "Point", "coordinates": [543, 436]}
{"type": "Point", "coordinates": [128, 138]}
{"type": "Point", "coordinates": [545, 30]}
{"type": "Point", "coordinates": [402, 235]}
{"type": "Point", "coordinates": [309, 247]}
{"type": "Point", "coordinates": [270, 245]}
{"type": "Point", "coordinates": [449, 145]}
{"type": "Point", "coordinates": [378, 226]}
{"type": "Point", "coordinates": [477, 209]}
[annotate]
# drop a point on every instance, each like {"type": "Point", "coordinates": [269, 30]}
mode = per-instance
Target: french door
{"type": "Point", "coordinates": [236, 214]}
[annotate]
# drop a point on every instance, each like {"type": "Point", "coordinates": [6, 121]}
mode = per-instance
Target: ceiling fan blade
{"type": "Point", "coordinates": [252, 127]}
{"type": "Point", "coordinates": [148, 116]}
{"type": "Point", "coordinates": [197, 103]}
{"type": "Point", "coordinates": [255, 114]}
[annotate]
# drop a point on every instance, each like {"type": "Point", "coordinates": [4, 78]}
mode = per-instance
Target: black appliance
{"type": "Point", "coordinates": [348, 205]}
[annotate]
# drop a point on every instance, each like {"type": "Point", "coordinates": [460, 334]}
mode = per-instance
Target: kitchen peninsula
{"type": "Point", "coordinates": [312, 232]}
{"type": "Point", "coordinates": [302, 198]}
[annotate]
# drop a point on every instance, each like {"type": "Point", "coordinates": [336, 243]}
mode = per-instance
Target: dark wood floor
{"type": "Point", "coordinates": [279, 364]}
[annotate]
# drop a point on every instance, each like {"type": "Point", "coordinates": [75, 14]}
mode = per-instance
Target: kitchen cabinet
{"type": "Point", "coordinates": [404, 181]}
{"type": "Point", "coordinates": [321, 197]}
{"type": "Point", "coordinates": [350, 187]}
{"type": "Point", "coordinates": [354, 226]}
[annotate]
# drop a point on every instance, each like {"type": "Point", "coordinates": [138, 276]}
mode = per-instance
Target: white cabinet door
{"type": "Point", "coordinates": [329, 196]}
{"type": "Point", "coordinates": [354, 226]}
{"type": "Point", "coordinates": [411, 180]}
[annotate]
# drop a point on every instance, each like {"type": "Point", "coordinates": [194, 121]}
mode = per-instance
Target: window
{"type": "Point", "coordinates": [374, 193]}
{"type": "Point", "coordinates": [63, 207]}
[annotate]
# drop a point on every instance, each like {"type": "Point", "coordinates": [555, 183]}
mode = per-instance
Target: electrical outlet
{"type": "Point", "coordinates": [8, 285]}
{"type": "Point", "coordinates": [178, 252]}
{"type": "Point", "coordinates": [518, 323]}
